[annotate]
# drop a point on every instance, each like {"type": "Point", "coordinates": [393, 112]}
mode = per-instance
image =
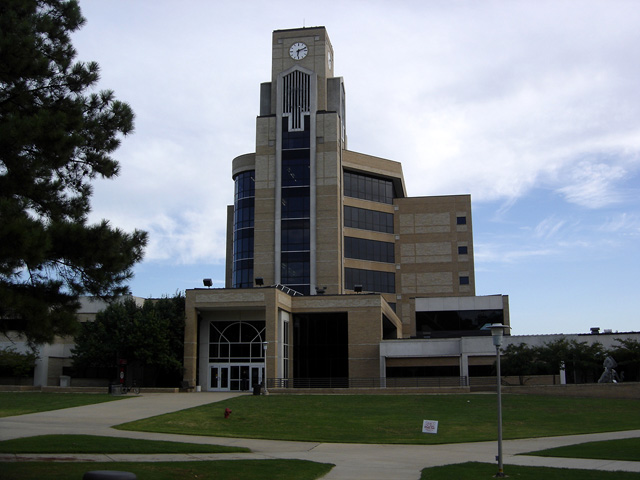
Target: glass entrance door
{"type": "Point", "coordinates": [235, 378]}
{"type": "Point", "coordinates": [219, 378]}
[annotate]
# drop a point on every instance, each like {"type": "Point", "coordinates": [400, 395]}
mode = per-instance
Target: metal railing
{"type": "Point", "coordinates": [388, 382]}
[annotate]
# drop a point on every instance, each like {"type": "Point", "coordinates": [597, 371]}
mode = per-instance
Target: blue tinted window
{"type": "Point", "coordinates": [371, 280]}
{"type": "Point", "coordinates": [373, 250]}
{"type": "Point", "coordinates": [243, 219]}
{"type": "Point", "coordinates": [462, 250]}
{"type": "Point", "coordinates": [295, 202]}
{"type": "Point", "coordinates": [368, 219]}
{"type": "Point", "coordinates": [464, 280]}
{"type": "Point", "coordinates": [297, 139]}
{"type": "Point", "coordinates": [295, 235]}
{"type": "Point", "coordinates": [295, 168]}
{"type": "Point", "coordinates": [244, 185]}
{"type": "Point", "coordinates": [461, 220]}
{"type": "Point", "coordinates": [368, 188]}
{"type": "Point", "coordinates": [295, 268]}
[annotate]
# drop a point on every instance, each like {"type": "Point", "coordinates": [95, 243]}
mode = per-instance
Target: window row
{"type": "Point", "coordinates": [243, 244]}
{"type": "Point", "coordinates": [368, 188]}
{"type": "Point", "coordinates": [371, 280]}
{"type": "Point", "coordinates": [245, 185]}
{"type": "Point", "coordinates": [372, 250]}
{"type": "Point", "coordinates": [364, 219]}
{"type": "Point", "coordinates": [244, 213]}
{"type": "Point", "coordinates": [242, 274]}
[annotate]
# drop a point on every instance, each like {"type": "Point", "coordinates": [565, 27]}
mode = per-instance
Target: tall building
{"type": "Point", "coordinates": [327, 255]}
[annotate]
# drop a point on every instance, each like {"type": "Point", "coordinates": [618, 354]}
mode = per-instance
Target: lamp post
{"type": "Point", "coordinates": [497, 331]}
{"type": "Point", "coordinates": [264, 346]}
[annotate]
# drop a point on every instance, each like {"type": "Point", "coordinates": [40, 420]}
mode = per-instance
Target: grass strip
{"type": "Point", "coordinates": [68, 444]}
{"type": "Point", "coordinates": [626, 449]}
{"type": "Point", "coordinates": [476, 471]}
{"type": "Point", "coordinates": [21, 403]}
{"type": "Point", "coordinates": [218, 470]}
{"type": "Point", "coordinates": [396, 419]}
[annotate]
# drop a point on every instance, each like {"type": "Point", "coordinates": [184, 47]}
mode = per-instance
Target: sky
{"type": "Point", "coordinates": [532, 107]}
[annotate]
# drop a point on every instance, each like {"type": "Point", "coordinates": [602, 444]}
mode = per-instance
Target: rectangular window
{"type": "Point", "coordinates": [365, 219]}
{"type": "Point", "coordinates": [462, 250]}
{"type": "Point", "coordinates": [367, 187]}
{"type": "Point", "coordinates": [464, 280]}
{"type": "Point", "coordinates": [461, 220]}
{"type": "Point", "coordinates": [295, 235]}
{"type": "Point", "coordinates": [372, 250]}
{"type": "Point", "coordinates": [371, 280]}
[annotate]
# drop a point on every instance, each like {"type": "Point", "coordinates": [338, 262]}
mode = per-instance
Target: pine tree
{"type": "Point", "coordinates": [55, 138]}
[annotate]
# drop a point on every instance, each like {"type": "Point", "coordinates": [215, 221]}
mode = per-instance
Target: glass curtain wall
{"type": "Point", "coordinates": [295, 209]}
{"type": "Point", "coordinates": [243, 221]}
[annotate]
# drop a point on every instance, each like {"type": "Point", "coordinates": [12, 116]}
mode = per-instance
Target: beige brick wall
{"type": "Point", "coordinates": [427, 241]}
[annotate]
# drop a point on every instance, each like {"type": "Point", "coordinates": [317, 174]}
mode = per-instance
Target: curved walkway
{"type": "Point", "coordinates": [353, 461]}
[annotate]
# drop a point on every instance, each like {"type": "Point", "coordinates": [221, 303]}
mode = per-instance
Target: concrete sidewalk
{"type": "Point", "coordinates": [353, 461]}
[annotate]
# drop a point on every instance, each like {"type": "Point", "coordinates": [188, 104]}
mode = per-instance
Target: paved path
{"type": "Point", "coordinates": [353, 461]}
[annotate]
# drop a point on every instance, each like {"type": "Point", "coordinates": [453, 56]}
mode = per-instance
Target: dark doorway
{"type": "Point", "coordinates": [321, 345]}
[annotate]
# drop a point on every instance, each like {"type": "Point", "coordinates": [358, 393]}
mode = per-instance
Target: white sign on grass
{"type": "Point", "coordinates": [429, 426]}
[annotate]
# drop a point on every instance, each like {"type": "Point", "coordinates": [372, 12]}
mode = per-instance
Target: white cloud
{"type": "Point", "coordinates": [592, 185]}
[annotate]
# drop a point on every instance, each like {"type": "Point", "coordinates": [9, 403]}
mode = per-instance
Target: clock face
{"type": "Point", "coordinates": [298, 51]}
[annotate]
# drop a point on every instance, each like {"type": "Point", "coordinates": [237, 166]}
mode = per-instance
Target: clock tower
{"type": "Point", "coordinates": [296, 239]}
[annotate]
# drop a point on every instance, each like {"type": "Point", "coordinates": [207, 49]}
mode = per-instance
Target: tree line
{"type": "Point", "coordinates": [581, 361]}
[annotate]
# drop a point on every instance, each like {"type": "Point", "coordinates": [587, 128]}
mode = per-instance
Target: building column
{"type": "Point", "coordinates": [190, 340]}
{"type": "Point", "coordinates": [464, 366]}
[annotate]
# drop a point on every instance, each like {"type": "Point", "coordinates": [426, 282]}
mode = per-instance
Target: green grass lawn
{"type": "Point", "coordinates": [217, 470]}
{"type": "Point", "coordinates": [475, 471]}
{"type": "Point", "coordinates": [20, 403]}
{"type": "Point", "coordinates": [67, 444]}
{"type": "Point", "coordinates": [396, 418]}
{"type": "Point", "coordinates": [627, 449]}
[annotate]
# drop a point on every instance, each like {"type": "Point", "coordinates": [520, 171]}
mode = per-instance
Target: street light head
{"type": "Point", "coordinates": [497, 331]}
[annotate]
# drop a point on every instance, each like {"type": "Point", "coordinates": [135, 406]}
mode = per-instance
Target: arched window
{"type": "Point", "coordinates": [236, 342]}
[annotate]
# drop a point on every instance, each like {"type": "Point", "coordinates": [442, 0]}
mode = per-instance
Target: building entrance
{"type": "Point", "coordinates": [236, 355]}
{"type": "Point", "coordinates": [235, 377]}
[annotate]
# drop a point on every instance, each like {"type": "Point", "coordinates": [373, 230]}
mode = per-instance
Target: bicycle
{"type": "Point", "coordinates": [133, 389]}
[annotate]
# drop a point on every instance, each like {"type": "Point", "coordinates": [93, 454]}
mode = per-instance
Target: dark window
{"type": "Point", "coordinates": [462, 250]}
{"type": "Point", "coordinates": [243, 222]}
{"type": "Point", "coordinates": [244, 185]}
{"type": "Point", "coordinates": [243, 244]}
{"type": "Point", "coordinates": [368, 188]}
{"type": "Point", "coordinates": [420, 372]}
{"type": "Point", "coordinates": [295, 227]}
{"type": "Point", "coordinates": [371, 280]}
{"type": "Point", "coordinates": [321, 342]}
{"type": "Point", "coordinates": [464, 280]}
{"type": "Point", "coordinates": [461, 220]}
{"type": "Point", "coordinates": [295, 168]}
{"type": "Point", "coordinates": [372, 250]}
{"type": "Point", "coordinates": [295, 202]}
{"type": "Point", "coordinates": [295, 235]}
{"type": "Point", "coordinates": [297, 139]}
{"type": "Point", "coordinates": [244, 213]}
{"type": "Point", "coordinates": [368, 219]}
{"type": "Point", "coordinates": [456, 323]}
{"type": "Point", "coordinates": [295, 268]}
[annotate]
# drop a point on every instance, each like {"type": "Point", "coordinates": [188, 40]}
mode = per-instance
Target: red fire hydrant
{"type": "Point", "coordinates": [227, 412]}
